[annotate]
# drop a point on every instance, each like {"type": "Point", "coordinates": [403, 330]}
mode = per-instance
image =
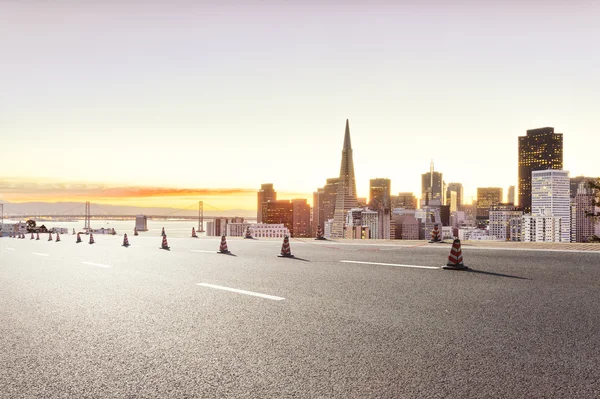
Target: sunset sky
{"type": "Point", "coordinates": [170, 102]}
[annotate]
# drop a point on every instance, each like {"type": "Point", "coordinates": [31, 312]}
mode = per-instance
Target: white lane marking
{"type": "Point", "coordinates": [95, 264]}
{"type": "Point", "coordinates": [203, 251]}
{"type": "Point", "coordinates": [10, 249]}
{"type": "Point", "coordinates": [389, 264]}
{"type": "Point", "coordinates": [219, 287]}
{"type": "Point", "coordinates": [39, 254]}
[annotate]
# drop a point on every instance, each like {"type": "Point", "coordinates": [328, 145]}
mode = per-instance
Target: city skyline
{"type": "Point", "coordinates": [211, 111]}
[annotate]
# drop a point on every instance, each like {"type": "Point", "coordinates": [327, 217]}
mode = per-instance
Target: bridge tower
{"type": "Point", "coordinates": [88, 215]}
{"type": "Point", "coordinates": [200, 217]}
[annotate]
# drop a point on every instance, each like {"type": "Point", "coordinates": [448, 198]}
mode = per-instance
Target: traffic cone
{"type": "Point", "coordinates": [285, 248]}
{"type": "Point", "coordinates": [125, 241]}
{"type": "Point", "coordinates": [92, 238]}
{"type": "Point", "coordinates": [164, 243]}
{"type": "Point", "coordinates": [57, 237]}
{"type": "Point", "coordinates": [78, 239]}
{"type": "Point", "coordinates": [49, 236]}
{"type": "Point", "coordinates": [135, 233]}
{"type": "Point", "coordinates": [455, 259]}
{"type": "Point", "coordinates": [37, 236]}
{"type": "Point", "coordinates": [435, 234]}
{"type": "Point", "coordinates": [248, 232]}
{"type": "Point", "coordinates": [163, 232]}
{"type": "Point", "coordinates": [32, 237]}
{"type": "Point", "coordinates": [73, 232]}
{"type": "Point", "coordinates": [320, 233]}
{"type": "Point", "coordinates": [194, 233]}
{"type": "Point", "coordinates": [223, 247]}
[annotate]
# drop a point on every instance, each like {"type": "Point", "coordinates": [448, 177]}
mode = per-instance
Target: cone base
{"type": "Point", "coordinates": [77, 242]}
{"type": "Point", "coordinates": [194, 236]}
{"type": "Point", "coordinates": [92, 243]}
{"type": "Point", "coordinates": [166, 248]}
{"type": "Point", "coordinates": [226, 251]}
{"type": "Point", "coordinates": [285, 256]}
{"type": "Point", "coordinates": [321, 238]}
{"type": "Point", "coordinates": [249, 238]}
{"type": "Point", "coordinates": [455, 267]}
{"type": "Point", "coordinates": [125, 245]}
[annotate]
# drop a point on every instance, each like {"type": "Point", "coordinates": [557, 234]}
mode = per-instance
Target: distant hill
{"type": "Point", "coordinates": [78, 208]}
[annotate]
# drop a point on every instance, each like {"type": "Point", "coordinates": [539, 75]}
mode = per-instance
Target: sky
{"type": "Point", "coordinates": [170, 102]}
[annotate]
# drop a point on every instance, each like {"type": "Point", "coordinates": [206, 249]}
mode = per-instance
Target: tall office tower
{"type": "Point", "coordinates": [584, 224]}
{"type": "Point", "coordinates": [404, 200]}
{"type": "Point", "coordinates": [379, 193]}
{"type": "Point", "coordinates": [324, 203]}
{"type": "Point", "coordinates": [432, 192]}
{"type": "Point", "coordinates": [279, 212]}
{"type": "Point", "coordinates": [265, 194]}
{"type": "Point", "coordinates": [575, 181]}
{"type": "Point", "coordinates": [301, 218]}
{"type": "Point", "coordinates": [550, 197]}
{"type": "Point", "coordinates": [487, 197]}
{"type": "Point", "coordinates": [540, 149]}
{"type": "Point", "coordinates": [511, 195]}
{"type": "Point", "coordinates": [458, 189]}
{"type": "Point", "coordinates": [346, 193]}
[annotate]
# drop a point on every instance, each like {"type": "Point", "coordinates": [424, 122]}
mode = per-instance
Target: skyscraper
{"type": "Point", "coordinates": [487, 197]}
{"type": "Point", "coordinates": [324, 203]}
{"type": "Point", "coordinates": [584, 224]}
{"type": "Point", "coordinates": [432, 184]}
{"type": "Point", "coordinates": [404, 200]}
{"type": "Point", "coordinates": [379, 193]}
{"type": "Point", "coordinates": [301, 218]}
{"type": "Point", "coordinates": [346, 193]}
{"type": "Point", "coordinates": [540, 149]}
{"type": "Point", "coordinates": [550, 197]}
{"type": "Point", "coordinates": [458, 189]}
{"type": "Point", "coordinates": [265, 194]}
{"type": "Point", "coordinates": [511, 195]}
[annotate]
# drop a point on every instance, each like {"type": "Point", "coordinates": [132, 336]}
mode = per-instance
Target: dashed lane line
{"type": "Point", "coordinates": [39, 254]}
{"type": "Point", "coordinates": [219, 287]}
{"type": "Point", "coordinates": [95, 264]}
{"type": "Point", "coordinates": [203, 251]}
{"type": "Point", "coordinates": [390, 264]}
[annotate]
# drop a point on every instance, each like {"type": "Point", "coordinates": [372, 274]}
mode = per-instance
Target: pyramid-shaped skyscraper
{"type": "Point", "coordinates": [346, 194]}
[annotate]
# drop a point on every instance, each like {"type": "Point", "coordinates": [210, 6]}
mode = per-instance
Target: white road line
{"type": "Point", "coordinates": [218, 287]}
{"type": "Point", "coordinates": [389, 264]}
{"type": "Point", "coordinates": [95, 264]}
{"type": "Point", "coordinates": [39, 254]}
{"type": "Point", "coordinates": [10, 249]}
{"type": "Point", "coordinates": [203, 251]}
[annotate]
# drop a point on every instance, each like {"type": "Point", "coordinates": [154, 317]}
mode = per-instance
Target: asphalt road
{"type": "Point", "coordinates": [103, 321]}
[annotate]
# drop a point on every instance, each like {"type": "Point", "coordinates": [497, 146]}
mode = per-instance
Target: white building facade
{"type": "Point", "coordinates": [550, 197]}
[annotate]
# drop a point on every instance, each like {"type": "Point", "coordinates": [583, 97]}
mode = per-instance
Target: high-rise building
{"type": "Point", "coordinates": [458, 189]}
{"type": "Point", "coordinates": [404, 200]}
{"type": "Point", "coordinates": [584, 224]}
{"type": "Point", "coordinates": [487, 197]}
{"type": "Point", "coordinates": [432, 192]}
{"type": "Point", "coordinates": [279, 212]}
{"type": "Point", "coordinates": [550, 196]}
{"type": "Point", "coordinates": [575, 181]}
{"type": "Point", "coordinates": [265, 194]}
{"type": "Point", "coordinates": [500, 221]}
{"type": "Point", "coordinates": [511, 195]}
{"type": "Point", "coordinates": [301, 218]}
{"type": "Point", "coordinates": [540, 149]}
{"type": "Point", "coordinates": [379, 194]}
{"type": "Point", "coordinates": [324, 203]}
{"type": "Point", "coordinates": [346, 190]}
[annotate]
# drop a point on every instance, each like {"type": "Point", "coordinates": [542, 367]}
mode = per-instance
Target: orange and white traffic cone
{"type": "Point", "coordinates": [320, 235]}
{"type": "Point", "coordinates": [248, 234]}
{"type": "Point", "coordinates": [135, 233]}
{"type": "Point", "coordinates": [78, 239]}
{"type": "Point", "coordinates": [57, 237]}
{"type": "Point", "coordinates": [223, 247]}
{"type": "Point", "coordinates": [435, 234]}
{"type": "Point", "coordinates": [125, 241]}
{"type": "Point", "coordinates": [73, 231]}
{"type": "Point", "coordinates": [194, 233]}
{"type": "Point", "coordinates": [37, 236]}
{"type": "Point", "coordinates": [49, 236]}
{"type": "Point", "coordinates": [455, 259]}
{"type": "Point", "coordinates": [285, 248]}
{"type": "Point", "coordinates": [164, 244]}
{"type": "Point", "coordinates": [92, 238]}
